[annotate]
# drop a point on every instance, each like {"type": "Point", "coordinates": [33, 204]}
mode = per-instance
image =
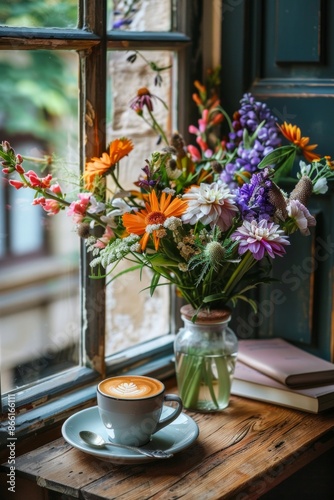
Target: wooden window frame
{"type": "Point", "coordinates": [50, 401]}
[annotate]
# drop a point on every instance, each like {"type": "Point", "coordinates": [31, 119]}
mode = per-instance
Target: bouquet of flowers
{"type": "Point", "coordinates": [199, 217]}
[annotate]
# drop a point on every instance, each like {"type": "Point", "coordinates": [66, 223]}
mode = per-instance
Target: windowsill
{"type": "Point", "coordinates": [242, 452]}
{"type": "Point", "coordinates": [45, 406]}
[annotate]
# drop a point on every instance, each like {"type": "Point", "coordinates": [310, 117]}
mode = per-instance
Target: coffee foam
{"type": "Point", "coordinates": [131, 387]}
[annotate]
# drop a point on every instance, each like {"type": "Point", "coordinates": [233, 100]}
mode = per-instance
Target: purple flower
{"type": "Point", "coordinates": [260, 238]}
{"type": "Point", "coordinates": [253, 198]}
{"type": "Point", "coordinates": [250, 152]}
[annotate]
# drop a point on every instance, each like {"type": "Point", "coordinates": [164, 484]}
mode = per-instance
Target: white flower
{"type": "Point", "coordinates": [301, 216]}
{"type": "Point", "coordinates": [321, 186]}
{"type": "Point", "coordinates": [95, 206]}
{"type": "Point", "coordinates": [172, 223]}
{"type": "Point", "coordinates": [120, 208]}
{"type": "Point", "coordinates": [210, 204]}
{"type": "Point", "coordinates": [168, 190]}
{"type": "Point", "coordinates": [304, 169]}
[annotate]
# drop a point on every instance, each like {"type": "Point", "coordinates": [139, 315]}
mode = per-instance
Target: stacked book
{"type": "Point", "coordinates": [278, 372]}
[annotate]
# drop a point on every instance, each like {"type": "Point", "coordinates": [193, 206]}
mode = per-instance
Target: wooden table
{"type": "Point", "coordinates": [240, 453]}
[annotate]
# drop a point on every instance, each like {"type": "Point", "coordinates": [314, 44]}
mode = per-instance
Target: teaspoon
{"type": "Point", "coordinates": [96, 441]}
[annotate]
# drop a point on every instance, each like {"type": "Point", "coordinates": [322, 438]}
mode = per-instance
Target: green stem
{"type": "Point", "coordinates": [247, 262]}
{"type": "Point", "coordinates": [157, 127]}
{"type": "Point", "coordinates": [228, 119]}
{"type": "Point", "coordinates": [189, 378]}
{"type": "Point", "coordinates": [116, 181]}
{"type": "Point", "coordinates": [224, 381]}
{"type": "Point", "coordinates": [207, 374]}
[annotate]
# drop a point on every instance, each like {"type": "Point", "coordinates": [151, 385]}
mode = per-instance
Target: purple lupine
{"type": "Point", "coordinates": [247, 156]}
{"type": "Point", "coordinates": [253, 198]}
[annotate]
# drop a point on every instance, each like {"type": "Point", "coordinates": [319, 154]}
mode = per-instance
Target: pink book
{"type": "Point", "coordinates": [252, 384]}
{"type": "Point", "coordinates": [285, 362]}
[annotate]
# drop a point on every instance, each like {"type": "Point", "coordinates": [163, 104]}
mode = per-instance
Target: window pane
{"type": "Point", "coordinates": [140, 15]}
{"type": "Point", "coordinates": [39, 13]}
{"type": "Point", "coordinates": [39, 271]}
{"type": "Point", "coordinates": [132, 315]}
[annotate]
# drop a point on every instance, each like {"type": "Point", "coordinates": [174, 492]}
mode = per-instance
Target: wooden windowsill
{"type": "Point", "coordinates": [242, 452]}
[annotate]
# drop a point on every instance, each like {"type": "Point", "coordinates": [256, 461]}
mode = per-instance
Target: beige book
{"type": "Point", "coordinates": [285, 362]}
{"type": "Point", "coordinates": [252, 384]}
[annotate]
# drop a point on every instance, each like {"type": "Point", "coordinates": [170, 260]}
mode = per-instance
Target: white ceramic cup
{"type": "Point", "coordinates": [130, 408]}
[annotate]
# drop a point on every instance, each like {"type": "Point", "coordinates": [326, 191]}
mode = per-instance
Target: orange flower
{"type": "Point", "coordinates": [294, 135]}
{"type": "Point", "coordinates": [98, 167]}
{"type": "Point", "coordinates": [155, 213]}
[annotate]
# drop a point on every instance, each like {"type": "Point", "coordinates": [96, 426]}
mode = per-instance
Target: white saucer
{"type": "Point", "coordinates": [173, 438]}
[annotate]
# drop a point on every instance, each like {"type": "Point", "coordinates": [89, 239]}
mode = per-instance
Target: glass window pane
{"type": "Point", "coordinates": [132, 315]}
{"type": "Point", "coordinates": [140, 15]}
{"type": "Point", "coordinates": [39, 13]}
{"type": "Point", "coordinates": [25, 238]}
{"type": "Point", "coordinates": [39, 272]}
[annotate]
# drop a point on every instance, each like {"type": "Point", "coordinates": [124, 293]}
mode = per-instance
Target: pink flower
{"type": "Point", "coordinates": [202, 144]}
{"type": "Point", "coordinates": [38, 201]}
{"type": "Point", "coordinates": [77, 209]}
{"type": "Point", "coordinates": [301, 216]}
{"type": "Point", "coordinates": [194, 152]}
{"type": "Point", "coordinates": [104, 240]}
{"type": "Point", "coordinates": [19, 168]}
{"type": "Point", "coordinates": [51, 206]}
{"type": "Point", "coordinates": [35, 181]}
{"type": "Point", "coordinates": [55, 188]}
{"type": "Point", "coordinates": [16, 184]}
{"type": "Point", "coordinates": [260, 238]}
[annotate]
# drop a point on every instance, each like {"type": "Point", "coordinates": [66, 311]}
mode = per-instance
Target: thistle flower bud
{"type": "Point", "coordinates": [215, 253]}
{"type": "Point", "coordinates": [83, 230]}
{"type": "Point", "coordinates": [277, 199]}
{"type": "Point", "coordinates": [303, 190]}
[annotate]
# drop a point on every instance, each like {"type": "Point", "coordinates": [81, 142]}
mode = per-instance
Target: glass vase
{"type": "Point", "coordinates": [205, 357]}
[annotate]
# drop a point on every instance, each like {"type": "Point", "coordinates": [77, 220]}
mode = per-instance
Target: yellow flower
{"type": "Point", "coordinates": [294, 135]}
{"type": "Point", "coordinates": [98, 167]}
{"type": "Point", "coordinates": [155, 214]}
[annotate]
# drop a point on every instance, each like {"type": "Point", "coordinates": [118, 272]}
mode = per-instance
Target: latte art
{"type": "Point", "coordinates": [127, 389]}
{"type": "Point", "coordinates": [131, 387]}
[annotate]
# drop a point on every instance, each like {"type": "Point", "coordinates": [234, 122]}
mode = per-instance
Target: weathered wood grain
{"type": "Point", "coordinates": [241, 453]}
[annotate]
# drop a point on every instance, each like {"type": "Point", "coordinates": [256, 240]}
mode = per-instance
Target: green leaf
{"type": "Point", "coordinates": [154, 283]}
{"type": "Point", "coordinates": [251, 302]}
{"type": "Point", "coordinates": [279, 157]}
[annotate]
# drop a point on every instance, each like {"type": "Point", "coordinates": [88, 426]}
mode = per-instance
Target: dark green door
{"type": "Point", "coordinates": [282, 51]}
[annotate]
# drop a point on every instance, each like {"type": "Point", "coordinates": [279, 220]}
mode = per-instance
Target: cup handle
{"type": "Point", "coordinates": [167, 420]}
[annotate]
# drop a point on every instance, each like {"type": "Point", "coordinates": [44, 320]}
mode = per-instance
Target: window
{"type": "Point", "coordinates": [85, 46]}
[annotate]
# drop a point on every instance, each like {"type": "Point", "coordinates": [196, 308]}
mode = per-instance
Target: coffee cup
{"type": "Point", "coordinates": [130, 408]}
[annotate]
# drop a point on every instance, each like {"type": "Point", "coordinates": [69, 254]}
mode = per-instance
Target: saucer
{"type": "Point", "coordinates": [173, 438]}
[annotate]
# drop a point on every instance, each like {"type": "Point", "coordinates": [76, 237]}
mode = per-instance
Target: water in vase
{"type": "Point", "coordinates": [205, 381]}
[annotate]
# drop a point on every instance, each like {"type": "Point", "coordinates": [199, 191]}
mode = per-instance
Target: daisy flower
{"type": "Point", "coordinates": [98, 167]}
{"type": "Point", "coordinates": [153, 217]}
